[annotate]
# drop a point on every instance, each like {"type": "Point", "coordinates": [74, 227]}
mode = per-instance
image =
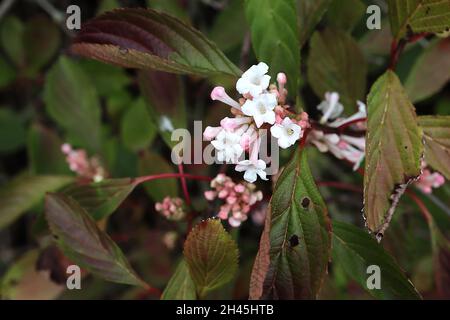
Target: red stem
{"type": "Point", "coordinates": [423, 209]}
{"type": "Point", "coordinates": [184, 185]}
{"type": "Point", "coordinates": [170, 175]}
{"type": "Point", "coordinates": [348, 124]}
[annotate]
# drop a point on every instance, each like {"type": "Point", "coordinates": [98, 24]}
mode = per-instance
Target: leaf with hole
{"type": "Point", "coordinates": [295, 246]}
{"type": "Point", "coordinates": [393, 150]}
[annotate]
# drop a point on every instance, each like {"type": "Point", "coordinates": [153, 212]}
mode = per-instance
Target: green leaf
{"type": "Point", "coordinates": [12, 131]}
{"type": "Point", "coordinates": [211, 255]}
{"type": "Point", "coordinates": [164, 96]}
{"type": "Point", "coordinates": [11, 33]}
{"type": "Point", "coordinates": [83, 242]}
{"type": "Point", "coordinates": [137, 128]}
{"type": "Point", "coordinates": [430, 73]}
{"type": "Point", "coordinates": [44, 152]}
{"type": "Point", "coordinates": [152, 163]}
{"type": "Point", "coordinates": [22, 281]}
{"type": "Point", "coordinates": [418, 16]}
{"type": "Point", "coordinates": [295, 246]}
{"type": "Point", "coordinates": [73, 103]}
{"type": "Point", "coordinates": [441, 259]}
{"type": "Point", "coordinates": [275, 37]}
{"type": "Point", "coordinates": [147, 39]}
{"type": "Point", "coordinates": [336, 63]}
{"type": "Point", "coordinates": [181, 286]}
{"type": "Point", "coordinates": [356, 250]}
{"type": "Point", "coordinates": [8, 74]}
{"type": "Point", "coordinates": [38, 52]}
{"type": "Point", "coordinates": [228, 28]}
{"type": "Point", "coordinates": [100, 199]}
{"type": "Point", "coordinates": [436, 132]}
{"type": "Point", "coordinates": [24, 192]}
{"type": "Point", "coordinates": [345, 14]}
{"type": "Point", "coordinates": [107, 5]}
{"type": "Point", "coordinates": [310, 12]}
{"type": "Point", "coordinates": [393, 150]}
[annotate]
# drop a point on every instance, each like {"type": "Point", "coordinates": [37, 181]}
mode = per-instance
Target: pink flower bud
{"type": "Point", "coordinates": [210, 195]}
{"type": "Point", "coordinates": [211, 132]}
{"type": "Point", "coordinates": [281, 78]}
{"type": "Point", "coordinates": [66, 148]}
{"type": "Point", "coordinates": [219, 93]}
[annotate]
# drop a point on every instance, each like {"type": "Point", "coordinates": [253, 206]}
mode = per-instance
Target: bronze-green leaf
{"type": "Point", "coordinates": [393, 150]}
{"type": "Point", "coordinates": [295, 246]}
{"type": "Point", "coordinates": [148, 39]}
{"type": "Point", "coordinates": [211, 255]}
{"type": "Point", "coordinates": [83, 242]}
{"type": "Point", "coordinates": [24, 192]}
{"type": "Point", "coordinates": [181, 286]}
{"type": "Point", "coordinates": [336, 63]}
{"type": "Point", "coordinates": [418, 16]}
{"type": "Point", "coordinates": [436, 132]}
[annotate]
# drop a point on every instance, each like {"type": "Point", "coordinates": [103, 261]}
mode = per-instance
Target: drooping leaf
{"type": "Point", "coordinates": [44, 151]}
{"type": "Point", "coordinates": [345, 14]}
{"type": "Point", "coordinates": [24, 192]}
{"type": "Point", "coordinates": [310, 12]}
{"type": "Point", "coordinates": [153, 163]}
{"type": "Point", "coordinates": [336, 63]}
{"type": "Point", "coordinates": [295, 247]}
{"type": "Point", "coordinates": [431, 71]}
{"type": "Point", "coordinates": [211, 256]}
{"type": "Point", "coordinates": [356, 250]}
{"type": "Point", "coordinates": [23, 281]}
{"type": "Point", "coordinates": [12, 131]}
{"type": "Point", "coordinates": [436, 132]}
{"type": "Point", "coordinates": [164, 96]}
{"type": "Point", "coordinates": [147, 39]}
{"type": "Point", "coordinates": [418, 16]}
{"type": "Point", "coordinates": [100, 199]}
{"type": "Point", "coordinates": [72, 101]}
{"type": "Point", "coordinates": [181, 286]}
{"type": "Point", "coordinates": [83, 242]}
{"type": "Point", "coordinates": [275, 37]}
{"type": "Point", "coordinates": [137, 128]}
{"type": "Point", "coordinates": [393, 150]}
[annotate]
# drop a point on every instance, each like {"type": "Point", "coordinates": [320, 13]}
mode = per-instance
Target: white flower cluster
{"type": "Point", "coordinates": [342, 146]}
{"type": "Point", "coordinates": [261, 105]}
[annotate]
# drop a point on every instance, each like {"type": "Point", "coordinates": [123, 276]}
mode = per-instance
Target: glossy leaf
{"type": "Point", "coordinates": [24, 192]}
{"type": "Point", "coordinates": [356, 250]}
{"type": "Point", "coordinates": [147, 39]}
{"type": "Point", "coordinates": [436, 132]}
{"type": "Point", "coordinates": [153, 163]}
{"type": "Point", "coordinates": [418, 16]}
{"type": "Point", "coordinates": [164, 96]}
{"type": "Point", "coordinates": [72, 101]}
{"type": "Point", "coordinates": [181, 286]}
{"type": "Point", "coordinates": [275, 38]}
{"type": "Point", "coordinates": [310, 12]}
{"type": "Point", "coordinates": [137, 128]}
{"type": "Point", "coordinates": [393, 150]}
{"type": "Point", "coordinates": [100, 199]}
{"type": "Point", "coordinates": [336, 63]}
{"type": "Point", "coordinates": [83, 242]}
{"type": "Point", "coordinates": [430, 72]}
{"type": "Point", "coordinates": [211, 256]}
{"type": "Point", "coordinates": [295, 247]}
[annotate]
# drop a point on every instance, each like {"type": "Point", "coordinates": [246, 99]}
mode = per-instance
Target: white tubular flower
{"type": "Point", "coordinates": [287, 133]}
{"type": "Point", "coordinates": [211, 132]}
{"type": "Point", "coordinates": [252, 169]}
{"type": "Point", "coordinates": [331, 108]}
{"type": "Point", "coordinates": [261, 108]}
{"type": "Point", "coordinates": [228, 146]}
{"type": "Point", "coordinates": [361, 114]}
{"type": "Point", "coordinates": [254, 81]}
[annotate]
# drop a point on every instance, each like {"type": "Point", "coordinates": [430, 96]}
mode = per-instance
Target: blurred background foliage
{"type": "Point", "coordinates": [48, 97]}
